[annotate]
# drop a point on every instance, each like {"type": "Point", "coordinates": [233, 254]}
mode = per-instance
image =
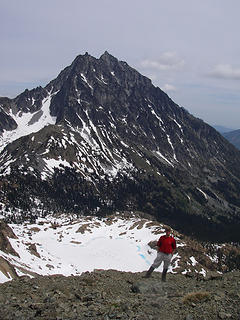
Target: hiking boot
{"type": "Point", "coordinates": [148, 273]}
{"type": "Point", "coordinates": [164, 273]}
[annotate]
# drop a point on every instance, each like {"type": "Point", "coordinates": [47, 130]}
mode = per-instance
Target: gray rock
{"type": "Point", "coordinates": [224, 315]}
{"type": "Point", "coordinates": [211, 275]}
{"type": "Point", "coordinates": [149, 287]}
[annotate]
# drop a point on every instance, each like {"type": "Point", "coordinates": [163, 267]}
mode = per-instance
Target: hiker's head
{"type": "Point", "coordinates": [167, 230]}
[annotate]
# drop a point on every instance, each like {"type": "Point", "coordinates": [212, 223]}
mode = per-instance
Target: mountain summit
{"type": "Point", "coordinates": [100, 138]}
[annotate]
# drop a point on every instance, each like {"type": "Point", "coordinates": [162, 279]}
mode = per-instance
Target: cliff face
{"type": "Point", "coordinates": [121, 295]}
{"type": "Point", "coordinates": [100, 137]}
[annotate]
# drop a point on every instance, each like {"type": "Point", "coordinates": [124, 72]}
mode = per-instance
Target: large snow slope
{"type": "Point", "coordinates": [70, 247]}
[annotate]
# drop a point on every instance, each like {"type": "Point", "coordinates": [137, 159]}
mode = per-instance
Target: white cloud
{"type": "Point", "coordinates": [167, 61]}
{"type": "Point", "coordinates": [225, 71]}
{"type": "Point", "coordinates": [168, 88]}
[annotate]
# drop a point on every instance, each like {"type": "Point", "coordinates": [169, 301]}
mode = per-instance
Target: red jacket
{"type": "Point", "coordinates": [166, 244]}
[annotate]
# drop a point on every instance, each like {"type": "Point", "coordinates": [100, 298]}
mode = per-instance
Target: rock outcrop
{"type": "Point", "coordinates": [5, 233]}
{"type": "Point", "coordinates": [7, 269]}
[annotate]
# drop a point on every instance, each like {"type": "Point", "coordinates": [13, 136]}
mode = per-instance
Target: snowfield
{"type": "Point", "coordinates": [70, 247]}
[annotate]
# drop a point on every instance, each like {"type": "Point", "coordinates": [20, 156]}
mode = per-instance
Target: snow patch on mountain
{"type": "Point", "coordinates": [204, 194]}
{"type": "Point", "coordinates": [50, 164]}
{"type": "Point", "coordinates": [28, 123]}
{"type": "Point", "coordinates": [159, 154]}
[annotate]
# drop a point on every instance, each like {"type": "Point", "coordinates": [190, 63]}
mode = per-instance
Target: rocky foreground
{"type": "Point", "coordinates": [110, 294]}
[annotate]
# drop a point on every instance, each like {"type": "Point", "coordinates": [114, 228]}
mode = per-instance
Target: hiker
{"type": "Point", "coordinates": [166, 246]}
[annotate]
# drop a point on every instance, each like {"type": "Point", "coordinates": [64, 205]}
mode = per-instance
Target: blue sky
{"type": "Point", "coordinates": [190, 49]}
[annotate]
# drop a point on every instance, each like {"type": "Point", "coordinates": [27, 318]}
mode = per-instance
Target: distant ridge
{"type": "Point", "coordinates": [233, 137]}
{"type": "Point", "coordinates": [222, 129]}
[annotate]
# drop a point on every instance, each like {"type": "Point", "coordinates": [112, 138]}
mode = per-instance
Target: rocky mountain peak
{"type": "Point", "coordinates": [124, 143]}
{"type": "Point", "coordinates": [109, 59]}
